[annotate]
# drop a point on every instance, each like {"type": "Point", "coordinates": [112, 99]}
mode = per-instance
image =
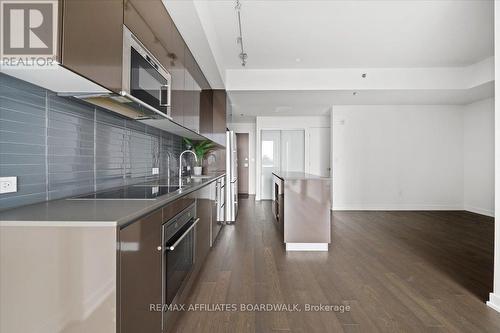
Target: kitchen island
{"type": "Point", "coordinates": [301, 206]}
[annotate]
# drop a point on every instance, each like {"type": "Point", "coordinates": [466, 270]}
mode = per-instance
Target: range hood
{"type": "Point", "coordinates": [122, 103]}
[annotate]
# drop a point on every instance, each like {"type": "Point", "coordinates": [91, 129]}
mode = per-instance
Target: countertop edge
{"type": "Point", "coordinates": [303, 176]}
{"type": "Point", "coordinates": [126, 221]}
{"type": "Point", "coordinates": [118, 223]}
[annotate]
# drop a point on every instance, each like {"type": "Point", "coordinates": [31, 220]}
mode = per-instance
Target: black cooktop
{"type": "Point", "coordinates": [131, 192]}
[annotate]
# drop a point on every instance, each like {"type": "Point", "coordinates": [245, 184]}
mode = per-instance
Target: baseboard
{"type": "Point", "coordinates": [307, 246]}
{"type": "Point", "coordinates": [480, 211]}
{"type": "Point", "coordinates": [375, 207]}
{"type": "Point", "coordinates": [494, 302]}
{"type": "Point", "coordinates": [382, 207]}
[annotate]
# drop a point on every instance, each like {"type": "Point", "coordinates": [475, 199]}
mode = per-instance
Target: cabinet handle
{"type": "Point", "coordinates": [171, 248]}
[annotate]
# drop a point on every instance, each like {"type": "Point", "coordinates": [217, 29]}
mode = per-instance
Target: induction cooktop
{"type": "Point", "coordinates": [134, 192]}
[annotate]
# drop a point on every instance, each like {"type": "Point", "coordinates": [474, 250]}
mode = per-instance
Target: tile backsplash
{"type": "Point", "coordinates": [60, 147]}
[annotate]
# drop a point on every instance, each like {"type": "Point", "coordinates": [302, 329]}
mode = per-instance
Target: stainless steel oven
{"type": "Point", "coordinates": [144, 79]}
{"type": "Point", "coordinates": [178, 252]}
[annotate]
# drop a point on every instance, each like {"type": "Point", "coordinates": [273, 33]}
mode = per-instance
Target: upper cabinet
{"type": "Point", "coordinates": [219, 116]}
{"type": "Point", "coordinates": [178, 71]}
{"type": "Point", "coordinates": [92, 40]}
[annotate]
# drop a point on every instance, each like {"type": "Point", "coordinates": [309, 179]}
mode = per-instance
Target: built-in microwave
{"type": "Point", "coordinates": [144, 79]}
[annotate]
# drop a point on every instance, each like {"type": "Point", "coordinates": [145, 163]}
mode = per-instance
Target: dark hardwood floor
{"type": "Point", "coordinates": [397, 271]}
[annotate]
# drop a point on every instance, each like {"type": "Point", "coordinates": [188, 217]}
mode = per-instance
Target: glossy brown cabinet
{"type": "Point", "coordinates": [178, 72]}
{"type": "Point", "coordinates": [219, 116]}
{"type": "Point", "coordinates": [92, 46]}
{"type": "Point", "coordinates": [140, 274]}
{"type": "Point", "coordinates": [204, 211]}
{"type": "Point", "coordinates": [92, 40]}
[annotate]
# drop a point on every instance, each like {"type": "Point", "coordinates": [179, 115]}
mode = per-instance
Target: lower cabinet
{"type": "Point", "coordinates": [145, 263]}
{"type": "Point", "coordinates": [140, 274]}
{"type": "Point", "coordinates": [204, 211]}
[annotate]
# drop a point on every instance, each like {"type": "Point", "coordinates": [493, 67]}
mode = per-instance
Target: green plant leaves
{"type": "Point", "coordinates": [201, 148]}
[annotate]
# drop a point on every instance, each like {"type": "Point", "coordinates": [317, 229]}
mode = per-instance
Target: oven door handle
{"type": "Point", "coordinates": [173, 246]}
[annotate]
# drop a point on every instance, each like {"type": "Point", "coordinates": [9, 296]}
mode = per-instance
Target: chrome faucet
{"type": "Point", "coordinates": [180, 164]}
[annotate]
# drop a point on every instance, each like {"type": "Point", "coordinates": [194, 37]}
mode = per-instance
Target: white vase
{"type": "Point", "coordinates": [197, 170]}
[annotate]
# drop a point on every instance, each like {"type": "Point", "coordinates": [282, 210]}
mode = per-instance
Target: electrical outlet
{"type": "Point", "coordinates": [8, 184]}
{"type": "Point", "coordinates": [155, 171]}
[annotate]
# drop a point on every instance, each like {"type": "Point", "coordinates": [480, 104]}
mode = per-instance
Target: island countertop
{"type": "Point", "coordinates": [297, 176]}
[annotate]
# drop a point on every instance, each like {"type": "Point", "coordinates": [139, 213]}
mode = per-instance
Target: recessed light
{"type": "Point", "coordinates": [363, 75]}
{"type": "Point", "coordinates": [298, 60]}
{"type": "Point", "coordinates": [354, 93]}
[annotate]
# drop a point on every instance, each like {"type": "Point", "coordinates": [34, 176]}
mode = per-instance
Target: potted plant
{"type": "Point", "coordinates": [201, 149]}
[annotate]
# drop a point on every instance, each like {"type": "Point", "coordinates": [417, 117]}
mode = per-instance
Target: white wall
{"type": "Point", "coordinates": [494, 301]}
{"type": "Point", "coordinates": [479, 157]}
{"type": "Point", "coordinates": [308, 124]}
{"type": "Point", "coordinates": [397, 157]}
{"type": "Point", "coordinates": [250, 129]}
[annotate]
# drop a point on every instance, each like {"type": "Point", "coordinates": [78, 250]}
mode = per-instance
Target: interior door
{"type": "Point", "coordinates": [243, 164]}
{"type": "Point", "coordinates": [292, 150]}
{"type": "Point", "coordinates": [319, 151]}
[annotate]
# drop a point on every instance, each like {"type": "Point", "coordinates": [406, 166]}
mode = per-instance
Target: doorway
{"type": "Point", "coordinates": [242, 148]}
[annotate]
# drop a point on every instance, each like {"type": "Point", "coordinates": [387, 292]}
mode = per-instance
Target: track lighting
{"type": "Point", "coordinates": [239, 40]}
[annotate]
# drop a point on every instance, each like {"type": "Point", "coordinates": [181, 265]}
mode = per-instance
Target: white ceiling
{"type": "Point", "coordinates": [338, 34]}
{"type": "Point", "coordinates": [246, 105]}
{"type": "Point", "coordinates": [302, 54]}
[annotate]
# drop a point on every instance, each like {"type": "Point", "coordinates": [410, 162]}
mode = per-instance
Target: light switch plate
{"type": "Point", "coordinates": [155, 171]}
{"type": "Point", "coordinates": [8, 185]}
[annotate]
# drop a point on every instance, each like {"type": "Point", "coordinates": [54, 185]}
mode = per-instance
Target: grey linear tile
{"type": "Point", "coordinates": [70, 178]}
{"type": "Point", "coordinates": [109, 118]}
{"type": "Point", "coordinates": [64, 151]}
{"type": "Point", "coordinates": [24, 95]}
{"type": "Point", "coordinates": [32, 179]}
{"type": "Point", "coordinates": [16, 170]}
{"type": "Point", "coordinates": [19, 148]}
{"type": "Point", "coordinates": [70, 192]}
{"type": "Point", "coordinates": [25, 138]}
{"type": "Point", "coordinates": [13, 159]}
{"type": "Point", "coordinates": [18, 127]}
{"type": "Point", "coordinates": [57, 168]}
{"type": "Point", "coordinates": [21, 200]}
{"type": "Point", "coordinates": [135, 125]}
{"type": "Point", "coordinates": [13, 83]}
{"type": "Point", "coordinates": [54, 141]}
{"type": "Point", "coordinates": [75, 125]}
{"type": "Point", "coordinates": [71, 135]}
{"type": "Point", "coordinates": [33, 108]}
{"type": "Point", "coordinates": [65, 119]}
{"type": "Point", "coordinates": [25, 189]}
{"type": "Point", "coordinates": [88, 160]}
{"type": "Point", "coordinates": [153, 131]}
{"type": "Point", "coordinates": [20, 117]}
{"type": "Point", "coordinates": [69, 107]}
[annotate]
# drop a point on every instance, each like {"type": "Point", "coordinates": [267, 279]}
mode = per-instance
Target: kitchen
{"type": "Point", "coordinates": [171, 166]}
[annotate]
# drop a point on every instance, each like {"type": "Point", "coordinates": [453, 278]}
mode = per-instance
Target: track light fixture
{"type": "Point", "coordinates": [239, 40]}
